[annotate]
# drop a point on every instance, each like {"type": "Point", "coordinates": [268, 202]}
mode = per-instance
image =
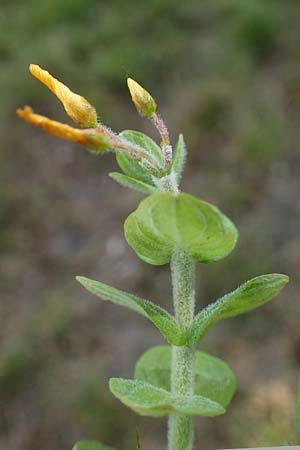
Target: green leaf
{"type": "Point", "coordinates": [196, 405]}
{"type": "Point", "coordinates": [90, 445]}
{"type": "Point", "coordinates": [132, 183]}
{"type": "Point", "coordinates": [179, 157]}
{"type": "Point", "coordinates": [131, 167]}
{"type": "Point", "coordinates": [149, 400]}
{"type": "Point", "coordinates": [165, 322]}
{"type": "Point", "coordinates": [164, 223]}
{"type": "Point", "coordinates": [213, 377]}
{"type": "Point", "coordinates": [297, 414]}
{"type": "Point", "coordinates": [250, 295]}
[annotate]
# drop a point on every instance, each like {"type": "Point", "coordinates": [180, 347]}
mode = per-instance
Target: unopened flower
{"type": "Point", "coordinates": [95, 139]}
{"type": "Point", "coordinates": [92, 135]}
{"type": "Point", "coordinates": [143, 101]}
{"type": "Point", "coordinates": [77, 107]}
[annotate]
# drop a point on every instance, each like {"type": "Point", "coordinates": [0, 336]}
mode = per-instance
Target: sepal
{"type": "Point", "coordinates": [142, 100]}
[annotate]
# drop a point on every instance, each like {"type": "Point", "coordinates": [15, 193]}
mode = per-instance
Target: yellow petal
{"type": "Point", "coordinates": [77, 107]}
{"type": "Point", "coordinates": [143, 101]}
{"type": "Point", "coordinates": [93, 139]}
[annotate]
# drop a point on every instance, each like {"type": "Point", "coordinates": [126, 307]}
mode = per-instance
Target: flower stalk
{"type": "Point", "coordinates": [161, 128]}
{"type": "Point", "coordinates": [165, 139]}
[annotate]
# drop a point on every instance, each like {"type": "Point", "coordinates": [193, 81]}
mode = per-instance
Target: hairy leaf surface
{"type": "Point", "coordinates": [179, 157]}
{"type": "Point", "coordinates": [132, 183]}
{"type": "Point", "coordinates": [149, 400]}
{"type": "Point", "coordinates": [213, 377]}
{"type": "Point", "coordinates": [164, 223]}
{"type": "Point", "coordinates": [250, 295]}
{"type": "Point", "coordinates": [165, 322]}
{"type": "Point", "coordinates": [131, 167]}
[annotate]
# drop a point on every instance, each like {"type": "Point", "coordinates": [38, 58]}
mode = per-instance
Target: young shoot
{"type": "Point", "coordinates": [176, 380]}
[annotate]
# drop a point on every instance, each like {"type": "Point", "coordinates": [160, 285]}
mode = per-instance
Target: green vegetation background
{"type": "Point", "coordinates": [226, 73]}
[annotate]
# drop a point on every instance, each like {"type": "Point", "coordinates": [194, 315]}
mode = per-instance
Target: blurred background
{"type": "Point", "coordinates": [226, 74]}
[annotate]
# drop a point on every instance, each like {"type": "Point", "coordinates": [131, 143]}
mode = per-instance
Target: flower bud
{"type": "Point", "coordinates": [77, 107]}
{"type": "Point", "coordinates": [143, 101]}
{"type": "Point", "coordinates": [94, 139]}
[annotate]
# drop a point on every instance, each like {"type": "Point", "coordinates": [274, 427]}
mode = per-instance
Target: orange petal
{"type": "Point", "coordinates": [77, 107]}
{"type": "Point", "coordinates": [92, 139]}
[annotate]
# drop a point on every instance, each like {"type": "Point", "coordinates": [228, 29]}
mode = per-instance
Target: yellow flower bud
{"type": "Point", "coordinates": [143, 101]}
{"type": "Point", "coordinates": [94, 139]}
{"type": "Point", "coordinates": [77, 107]}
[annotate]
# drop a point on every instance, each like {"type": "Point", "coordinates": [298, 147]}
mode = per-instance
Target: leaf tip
{"type": "Point", "coordinates": [82, 280]}
{"type": "Point", "coordinates": [113, 385]}
{"type": "Point", "coordinates": [286, 278]}
{"type": "Point", "coordinates": [282, 279]}
{"type": "Point", "coordinates": [222, 410]}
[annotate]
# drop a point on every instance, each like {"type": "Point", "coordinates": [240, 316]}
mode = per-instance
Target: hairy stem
{"type": "Point", "coordinates": [180, 433]}
{"type": "Point", "coordinates": [165, 139]}
{"type": "Point", "coordinates": [167, 183]}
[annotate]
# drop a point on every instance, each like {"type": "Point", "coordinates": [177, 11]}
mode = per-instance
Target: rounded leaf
{"type": "Point", "coordinates": [213, 377]}
{"type": "Point", "coordinates": [164, 223]}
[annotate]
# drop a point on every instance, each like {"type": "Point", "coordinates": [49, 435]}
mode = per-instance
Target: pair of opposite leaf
{"type": "Point", "coordinates": [162, 224]}
{"type": "Point", "coordinates": [93, 445]}
{"type": "Point", "coordinates": [149, 393]}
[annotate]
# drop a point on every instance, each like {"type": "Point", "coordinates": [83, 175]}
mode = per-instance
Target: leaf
{"type": "Point", "coordinates": [165, 322]}
{"type": "Point", "coordinates": [164, 223]}
{"type": "Point", "coordinates": [250, 295]}
{"type": "Point", "coordinates": [130, 166]}
{"type": "Point", "coordinates": [196, 405]}
{"type": "Point", "coordinates": [149, 400]}
{"type": "Point", "coordinates": [143, 398]}
{"type": "Point", "coordinates": [179, 157]}
{"type": "Point", "coordinates": [297, 414]}
{"type": "Point", "coordinates": [213, 377]}
{"type": "Point", "coordinates": [90, 445]}
{"type": "Point", "coordinates": [132, 183]}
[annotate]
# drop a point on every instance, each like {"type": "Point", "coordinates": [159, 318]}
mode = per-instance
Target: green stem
{"type": "Point", "coordinates": [180, 433]}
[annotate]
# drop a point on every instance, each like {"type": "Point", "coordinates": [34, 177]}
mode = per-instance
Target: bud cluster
{"type": "Point", "coordinates": [94, 135]}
